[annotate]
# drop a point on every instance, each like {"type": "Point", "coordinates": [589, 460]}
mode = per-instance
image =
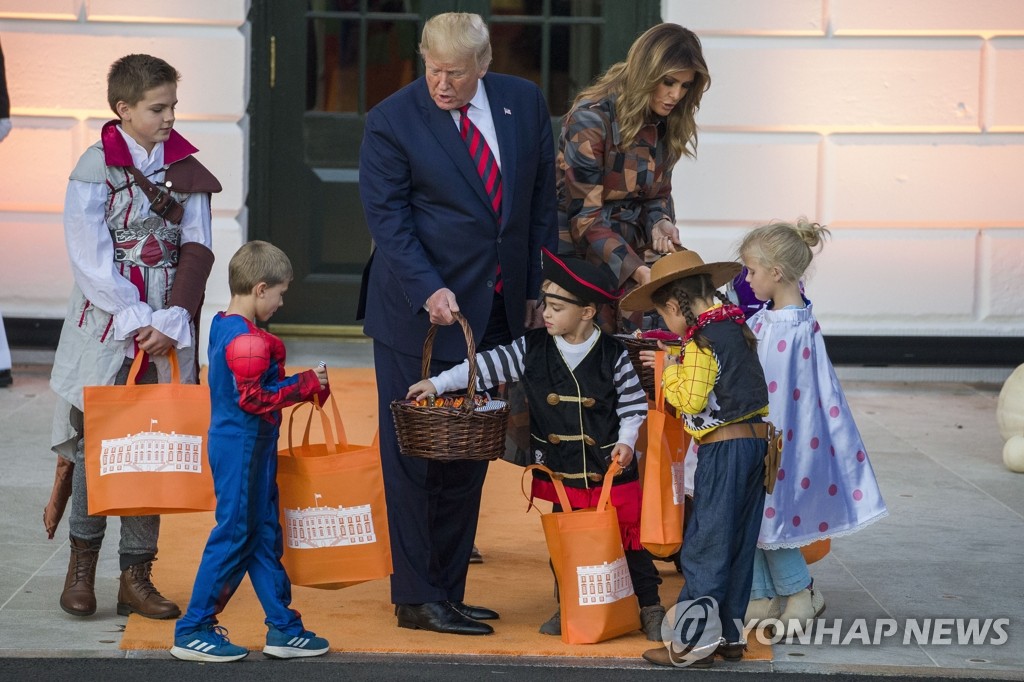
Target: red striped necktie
{"type": "Point", "coordinates": [486, 167]}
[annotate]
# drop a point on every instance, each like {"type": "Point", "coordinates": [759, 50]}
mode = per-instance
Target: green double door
{"type": "Point", "coordinates": [319, 65]}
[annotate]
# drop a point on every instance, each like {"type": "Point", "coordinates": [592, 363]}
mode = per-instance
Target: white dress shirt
{"type": "Point", "coordinates": [480, 114]}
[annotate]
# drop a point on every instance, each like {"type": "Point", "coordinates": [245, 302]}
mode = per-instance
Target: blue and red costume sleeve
{"type": "Point", "coordinates": [256, 361]}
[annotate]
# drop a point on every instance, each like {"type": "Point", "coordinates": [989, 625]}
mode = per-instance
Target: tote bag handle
{"type": "Point", "coordinates": [172, 357]}
{"type": "Point", "coordinates": [563, 498]}
{"type": "Point", "coordinates": [333, 446]}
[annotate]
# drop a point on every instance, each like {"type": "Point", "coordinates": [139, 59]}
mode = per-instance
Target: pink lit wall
{"type": "Point", "coordinates": [57, 53]}
{"type": "Point", "coordinates": [900, 123]}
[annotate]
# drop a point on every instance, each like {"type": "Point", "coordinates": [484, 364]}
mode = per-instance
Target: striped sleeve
{"type": "Point", "coordinates": [632, 401]}
{"type": "Point", "coordinates": [503, 364]}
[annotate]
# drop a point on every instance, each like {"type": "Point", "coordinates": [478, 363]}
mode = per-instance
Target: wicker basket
{"type": "Point", "coordinates": [450, 433]}
{"type": "Point", "coordinates": [633, 348]}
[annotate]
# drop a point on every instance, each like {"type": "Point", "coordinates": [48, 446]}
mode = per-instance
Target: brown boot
{"type": "Point", "coordinates": [138, 595]}
{"type": "Point", "coordinates": [79, 595]}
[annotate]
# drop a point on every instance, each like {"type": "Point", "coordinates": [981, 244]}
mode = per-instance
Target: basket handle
{"type": "Point", "coordinates": [428, 350]}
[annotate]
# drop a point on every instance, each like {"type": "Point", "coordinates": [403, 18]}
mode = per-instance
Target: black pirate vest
{"type": "Point", "coordinates": [573, 423]}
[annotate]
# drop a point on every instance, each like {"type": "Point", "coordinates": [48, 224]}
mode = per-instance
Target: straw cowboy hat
{"type": "Point", "coordinates": [676, 266]}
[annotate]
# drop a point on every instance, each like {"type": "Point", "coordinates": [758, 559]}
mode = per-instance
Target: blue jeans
{"type": "Point", "coordinates": [779, 572]}
{"type": "Point", "coordinates": [721, 535]}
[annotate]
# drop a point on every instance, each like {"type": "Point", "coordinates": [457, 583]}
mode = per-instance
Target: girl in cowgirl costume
{"type": "Point", "coordinates": [719, 388]}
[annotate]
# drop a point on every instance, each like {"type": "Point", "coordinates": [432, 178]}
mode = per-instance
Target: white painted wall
{"type": "Point", "coordinates": [57, 53]}
{"type": "Point", "coordinates": [899, 123]}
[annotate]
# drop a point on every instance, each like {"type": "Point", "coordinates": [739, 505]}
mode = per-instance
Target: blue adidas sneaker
{"type": "Point", "coordinates": [208, 645]}
{"type": "Point", "coordinates": [281, 645]}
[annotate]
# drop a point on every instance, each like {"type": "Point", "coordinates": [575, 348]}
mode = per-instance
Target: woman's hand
{"type": "Point", "coordinates": [623, 454]}
{"type": "Point", "coordinates": [642, 275]}
{"type": "Point", "coordinates": [421, 389]}
{"type": "Point", "coordinates": [665, 237]}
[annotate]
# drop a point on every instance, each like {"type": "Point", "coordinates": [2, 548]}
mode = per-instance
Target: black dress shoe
{"type": "Point", "coordinates": [474, 612]}
{"type": "Point", "coordinates": [439, 616]}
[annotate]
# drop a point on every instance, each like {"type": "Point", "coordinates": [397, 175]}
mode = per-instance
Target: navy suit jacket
{"type": "Point", "coordinates": [431, 221]}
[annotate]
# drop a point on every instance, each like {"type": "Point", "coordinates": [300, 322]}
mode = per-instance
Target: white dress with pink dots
{"type": "Point", "coordinates": [826, 486]}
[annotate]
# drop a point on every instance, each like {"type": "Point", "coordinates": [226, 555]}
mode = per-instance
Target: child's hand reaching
{"type": "Point", "coordinates": [623, 454]}
{"type": "Point", "coordinates": [421, 389]}
{"type": "Point", "coordinates": [647, 356]}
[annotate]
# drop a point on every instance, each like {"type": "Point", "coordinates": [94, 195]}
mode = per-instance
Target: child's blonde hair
{"type": "Point", "coordinates": [257, 261]}
{"type": "Point", "coordinates": [786, 246]}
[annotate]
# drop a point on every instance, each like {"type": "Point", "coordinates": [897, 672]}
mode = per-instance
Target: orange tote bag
{"type": "Point", "coordinates": [816, 551]}
{"type": "Point", "coordinates": [596, 595]}
{"type": "Point", "coordinates": [661, 510]}
{"type": "Point", "coordinates": [334, 519]}
{"type": "Point", "coordinates": [145, 446]}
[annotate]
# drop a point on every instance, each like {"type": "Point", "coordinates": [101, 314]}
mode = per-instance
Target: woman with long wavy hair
{"type": "Point", "coordinates": [619, 143]}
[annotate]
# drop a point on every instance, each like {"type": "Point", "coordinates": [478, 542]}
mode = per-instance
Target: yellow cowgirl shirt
{"type": "Point", "coordinates": [719, 385]}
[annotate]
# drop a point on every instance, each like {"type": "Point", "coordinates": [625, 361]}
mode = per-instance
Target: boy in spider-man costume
{"type": "Point", "coordinates": [248, 389]}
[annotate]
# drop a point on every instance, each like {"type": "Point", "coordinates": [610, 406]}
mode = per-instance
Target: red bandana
{"type": "Point", "coordinates": [716, 314]}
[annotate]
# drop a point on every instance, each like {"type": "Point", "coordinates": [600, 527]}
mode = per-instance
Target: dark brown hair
{"type": "Point", "coordinates": [686, 289]}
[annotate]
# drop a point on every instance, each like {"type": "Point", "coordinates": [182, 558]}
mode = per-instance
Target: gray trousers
{"type": "Point", "coordinates": [138, 533]}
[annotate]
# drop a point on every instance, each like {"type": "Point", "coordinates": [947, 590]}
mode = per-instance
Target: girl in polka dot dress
{"type": "Point", "coordinates": [825, 486]}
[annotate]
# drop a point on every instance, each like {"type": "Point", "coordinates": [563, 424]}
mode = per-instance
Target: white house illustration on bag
{"type": "Point", "coordinates": [605, 583]}
{"type": "Point", "coordinates": [316, 526]}
{"type": "Point", "coordinates": [152, 451]}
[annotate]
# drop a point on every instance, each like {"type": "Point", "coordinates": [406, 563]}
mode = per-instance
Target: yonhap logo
{"type": "Point", "coordinates": [692, 630]}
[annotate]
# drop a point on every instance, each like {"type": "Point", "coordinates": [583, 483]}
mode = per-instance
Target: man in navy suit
{"type": "Point", "coordinates": [451, 234]}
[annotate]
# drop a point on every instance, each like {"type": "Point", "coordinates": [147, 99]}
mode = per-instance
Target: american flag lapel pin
{"type": "Point", "coordinates": [508, 112]}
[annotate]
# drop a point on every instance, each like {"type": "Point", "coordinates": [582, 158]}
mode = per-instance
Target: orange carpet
{"type": "Point", "coordinates": [514, 578]}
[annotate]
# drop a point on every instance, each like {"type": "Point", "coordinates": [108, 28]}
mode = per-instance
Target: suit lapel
{"type": "Point", "coordinates": [503, 114]}
{"type": "Point", "coordinates": [444, 130]}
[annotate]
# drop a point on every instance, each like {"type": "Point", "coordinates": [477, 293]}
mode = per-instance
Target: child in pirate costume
{"type": "Point", "coordinates": [719, 388]}
{"type": "Point", "coordinates": [137, 229]}
{"type": "Point", "coordinates": [574, 375]}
